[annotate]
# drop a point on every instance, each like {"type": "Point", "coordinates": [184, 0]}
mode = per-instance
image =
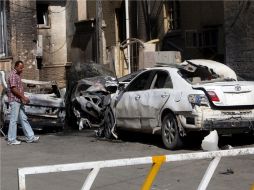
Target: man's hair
{"type": "Point", "coordinates": [18, 62]}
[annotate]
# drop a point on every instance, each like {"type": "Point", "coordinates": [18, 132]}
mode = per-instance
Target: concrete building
{"type": "Point", "coordinates": [34, 32]}
{"type": "Point", "coordinates": [49, 36]}
{"type": "Point", "coordinates": [218, 30]}
{"type": "Point", "coordinates": [18, 21]}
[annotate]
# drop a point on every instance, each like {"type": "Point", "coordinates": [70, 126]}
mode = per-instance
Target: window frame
{"type": "Point", "coordinates": [3, 30]}
{"type": "Point", "coordinates": [45, 16]}
{"type": "Point", "coordinates": [156, 75]}
{"type": "Point", "coordinates": [147, 86]}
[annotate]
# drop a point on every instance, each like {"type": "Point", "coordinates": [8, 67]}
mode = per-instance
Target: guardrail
{"type": "Point", "coordinates": [157, 161]}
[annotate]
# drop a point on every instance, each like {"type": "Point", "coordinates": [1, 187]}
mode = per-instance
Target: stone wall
{"type": "Point", "coordinates": [239, 37]}
{"type": "Point", "coordinates": [23, 35]}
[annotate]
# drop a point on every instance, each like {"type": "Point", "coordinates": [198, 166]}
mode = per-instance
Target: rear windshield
{"type": "Point", "coordinates": [200, 74]}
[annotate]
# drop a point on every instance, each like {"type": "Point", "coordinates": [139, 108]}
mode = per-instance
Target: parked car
{"type": "Point", "coordinates": [46, 107]}
{"type": "Point", "coordinates": [196, 95]}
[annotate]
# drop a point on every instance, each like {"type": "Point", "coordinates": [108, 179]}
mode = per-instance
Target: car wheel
{"type": "Point", "coordinates": [109, 123]}
{"type": "Point", "coordinates": [170, 133]}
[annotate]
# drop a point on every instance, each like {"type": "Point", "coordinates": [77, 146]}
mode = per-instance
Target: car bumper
{"type": "Point", "coordinates": [229, 126]}
{"type": "Point", "coordinates": [226, 121]}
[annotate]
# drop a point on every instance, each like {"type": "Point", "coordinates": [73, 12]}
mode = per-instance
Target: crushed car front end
{"type": "Point", "coordinates": [46, 107]}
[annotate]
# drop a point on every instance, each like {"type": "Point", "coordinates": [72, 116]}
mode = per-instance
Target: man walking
{"type": "Point", "coordinates": [17, 100]}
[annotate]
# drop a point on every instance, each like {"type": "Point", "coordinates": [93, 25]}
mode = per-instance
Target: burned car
{"type": "Point", "coordinates": [46, 106]}
{"type": "Point", "coordinates": [196, 95]}
{"type": "Point", "coordinates": [89, 105]}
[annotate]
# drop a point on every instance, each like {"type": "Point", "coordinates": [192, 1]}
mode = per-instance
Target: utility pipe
{"type": "Point", "coordinates": [127, 33]}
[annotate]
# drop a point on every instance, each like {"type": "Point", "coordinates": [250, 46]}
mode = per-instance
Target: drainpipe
{"type": "Point", "coordinates": [127, 33]}
{"type": "Point", "coordinates": [5, 29]}
{"type": "Point", "coordinates": [99, 49]}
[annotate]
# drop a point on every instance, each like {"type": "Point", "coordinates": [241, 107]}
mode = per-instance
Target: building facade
{"type": "Point", "coordinates": [49, 36]}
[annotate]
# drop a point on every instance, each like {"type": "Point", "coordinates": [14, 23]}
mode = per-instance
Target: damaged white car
{"type": "Point", "coordinates": [46, 107]}
{"type": "Point", "coordinates": [197, 95]}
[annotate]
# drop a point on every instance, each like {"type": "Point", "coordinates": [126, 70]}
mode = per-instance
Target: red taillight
{"type": "Point", "coordinates": [213, 96]}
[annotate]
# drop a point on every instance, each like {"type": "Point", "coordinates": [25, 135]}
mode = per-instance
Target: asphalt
{"type": "Point", "coordinates": [75, 146]}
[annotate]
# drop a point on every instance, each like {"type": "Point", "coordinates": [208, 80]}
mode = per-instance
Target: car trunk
{"type": "Point", "coordinates": [227, 94]}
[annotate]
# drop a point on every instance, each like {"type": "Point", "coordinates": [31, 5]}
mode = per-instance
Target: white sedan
{"type": "Point", "coordinates": [199, 95]}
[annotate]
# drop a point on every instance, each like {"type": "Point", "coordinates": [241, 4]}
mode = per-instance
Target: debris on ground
{"type": "Point", "coordinates": [229, 171]}
{"type": "Point", "coordinates": [210, 142]}
{"type": "Point", "coordinates": [226, 147]}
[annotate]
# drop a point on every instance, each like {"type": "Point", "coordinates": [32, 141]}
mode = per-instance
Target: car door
{"type": "Point", "coordinates": [128, 104]}
{"type": "Point", "coordinates": [154, 99]}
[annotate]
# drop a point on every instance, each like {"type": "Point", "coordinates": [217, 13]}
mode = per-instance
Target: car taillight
{"type": "Point", "coordinates": [213, 96]}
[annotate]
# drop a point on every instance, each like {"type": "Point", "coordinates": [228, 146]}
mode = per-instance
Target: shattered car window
{"type": "Point", "coordinates": [200, 74]}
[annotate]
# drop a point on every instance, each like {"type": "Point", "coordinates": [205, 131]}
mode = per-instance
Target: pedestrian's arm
{"type": "Point", "coordinates": [23, 99]}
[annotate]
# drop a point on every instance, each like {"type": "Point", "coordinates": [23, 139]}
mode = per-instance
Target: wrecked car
{"type": "Point", "coordinates": [46, 106]}
{"type": "Point", "coordinates": [90, 105]}
{"type": "Point", "coordinates": [196, 95]}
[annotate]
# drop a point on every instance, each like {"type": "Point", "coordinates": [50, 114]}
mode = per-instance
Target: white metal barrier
{"type": "Point", "coordinates": [97, 165]}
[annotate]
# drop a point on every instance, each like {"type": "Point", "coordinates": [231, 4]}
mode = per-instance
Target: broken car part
{"type": "Point", "coordinates": [90, 104]}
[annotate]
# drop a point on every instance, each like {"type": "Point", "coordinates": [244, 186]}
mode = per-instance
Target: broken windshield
{"type": "Point", "coordinates": [195, 74]}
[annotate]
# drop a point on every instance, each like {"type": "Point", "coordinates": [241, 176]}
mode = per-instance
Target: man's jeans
{"type": "Point", "coordinates": [18, 114]}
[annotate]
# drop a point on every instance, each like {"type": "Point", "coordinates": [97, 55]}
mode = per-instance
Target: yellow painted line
{"type": "Point", "coordinates": [252, 187]}
{"type": "Point", "coordinates": [157, 162]}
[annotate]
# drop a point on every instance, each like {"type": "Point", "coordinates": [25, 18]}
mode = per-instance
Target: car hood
{"type": "Point", "coordinates": [48, 100]}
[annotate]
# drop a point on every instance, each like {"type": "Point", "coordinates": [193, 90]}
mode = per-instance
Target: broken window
{"type": "Point", "coordinates": [200, 74]}
{"type": "Point", "coordinates": [3, 30]}
{"type": "Point", "coordinates": [42, 14]}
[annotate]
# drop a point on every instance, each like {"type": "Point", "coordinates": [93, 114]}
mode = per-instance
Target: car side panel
{"type": "Point", "coordinates": [128, 114]}
{"type": "Point", "coordinates": [151, 103]}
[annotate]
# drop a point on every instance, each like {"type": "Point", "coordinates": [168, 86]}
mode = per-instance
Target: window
{"type": "Point", "coordinates": [42, 15]}
{"type": "Point", "coordinates": [174, 14]}
{"type": "Point", "coordinates": [162, 80]}
{"type": "Point", "coordinates": [205, 38]}
{"type": "Point", "coordinates": [3, 30]}
{"type": "Point", "coordinates": [142, 82]}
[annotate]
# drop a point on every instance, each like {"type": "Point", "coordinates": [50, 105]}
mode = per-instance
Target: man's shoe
{"type": "Point", "coordinates": [16, 142]}
{"type": "Point", "coordinates": [33, 140]}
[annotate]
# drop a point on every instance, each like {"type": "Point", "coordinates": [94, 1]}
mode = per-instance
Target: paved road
{"type": "Point", "coordinates": [72, 147]}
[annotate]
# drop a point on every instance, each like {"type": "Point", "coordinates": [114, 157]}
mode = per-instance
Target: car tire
{"type": "Point", "coordinates": [170, 133]}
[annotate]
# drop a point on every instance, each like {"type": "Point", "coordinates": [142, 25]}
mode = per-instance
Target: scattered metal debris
{"type": "Point", "coordinates": [226, 147]}
{"type": "Point", "coordinates": [229, 171]}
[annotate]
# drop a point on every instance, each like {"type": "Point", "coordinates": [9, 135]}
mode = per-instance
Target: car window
{"type": "Point", "coordinates": [142, 82]}
{"type": "Point", "coordinates": [162, 79]}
